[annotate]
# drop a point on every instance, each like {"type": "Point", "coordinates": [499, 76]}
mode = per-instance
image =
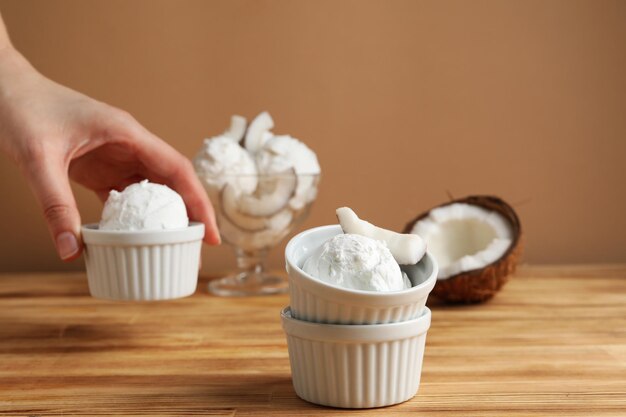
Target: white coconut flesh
{"type": "Point", "coordinates": [262, 213]}
{"type": "Point", "coordinates": [463, 237]}
{"type": "Point", "coordinates": [407, 249]}
{"type": "Point", "coordinates": [272, 194]}
{"type": "Point", "coordinates": [237, 128]}
{"type": "Point", "coordinates": [258, 132]}
{"type": "Point", "coordinates": [275, 229]}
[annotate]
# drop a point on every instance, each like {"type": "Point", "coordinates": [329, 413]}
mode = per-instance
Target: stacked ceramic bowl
{"type": "Point", "coordinates": [351, 348]}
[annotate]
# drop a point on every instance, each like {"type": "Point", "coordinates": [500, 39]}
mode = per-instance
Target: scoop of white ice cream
{"type": "Point", "coordinates": [223, 160]}
{"type": "Point", "coordinates": [283, 153]}
{"type": "Point", "coordinates": [280, 153]}
{"type": "Point", "coordinates": [356, 262]}
{"type": "Point", "coordinates": [144, 206]}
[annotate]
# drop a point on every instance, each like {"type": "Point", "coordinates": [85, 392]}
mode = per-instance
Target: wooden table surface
{"type": "Point", "coordinates": [553, 342]}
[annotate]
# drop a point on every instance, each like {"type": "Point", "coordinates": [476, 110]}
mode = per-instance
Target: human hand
{"type": "Point", "coordinates": [53, 132]}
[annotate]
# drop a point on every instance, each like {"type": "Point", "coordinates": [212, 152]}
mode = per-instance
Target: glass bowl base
{"type": "Point", "coordinates": [248, 283]}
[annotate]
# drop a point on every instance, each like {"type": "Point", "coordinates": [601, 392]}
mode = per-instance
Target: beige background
{"type": "Point", "coordinates": [403, 101]}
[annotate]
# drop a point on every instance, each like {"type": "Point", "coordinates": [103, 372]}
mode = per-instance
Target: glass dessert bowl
{"type": "Point", "coordinates": [261, 186]}
{"type": "Point", "coordinates": [254, 213]}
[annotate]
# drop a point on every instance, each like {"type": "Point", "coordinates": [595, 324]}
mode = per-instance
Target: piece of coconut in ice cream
{"type": "Point", "coordinates": [356, 262]}
{"type": "Point", "coordinates": [284, 154]}
{"type": "Point", "coordinates": [258, 132]}
{"type": "Point", "coordinates": [237, 128]}
{"type": "Point", "coordinates": [144, 206]}
{"type": "Point", "coordinates": [407, 249]}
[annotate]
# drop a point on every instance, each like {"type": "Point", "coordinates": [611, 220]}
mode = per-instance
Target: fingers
{"type": "Point", "coordinates": [166, 165]}
{"type": "Point", "coordinates": [183, 179]}
{"type": "Point", "coordinates": [50, 183]}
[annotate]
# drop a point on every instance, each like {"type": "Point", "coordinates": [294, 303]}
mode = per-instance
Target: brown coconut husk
{"type": "Point", "coordinates": [481, 284]}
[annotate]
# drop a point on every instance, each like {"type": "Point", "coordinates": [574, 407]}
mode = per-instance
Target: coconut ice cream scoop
{"type": "Point", "coordinates": [221, 160]}
{"type": "Point", "coordinates": [356, 262]}
{"type": "Point", "coordinates": [144, 206]}
{"type": "Point", "coordinates": [283, 152]}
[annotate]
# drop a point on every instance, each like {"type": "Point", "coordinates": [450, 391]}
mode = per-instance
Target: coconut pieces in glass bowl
{"type": "Point", "coordinates": [259, 182]}
{"type": "Point", "coordinates": [477, 243]}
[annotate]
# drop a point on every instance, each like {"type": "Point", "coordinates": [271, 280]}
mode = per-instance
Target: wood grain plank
{"type": "Point", "coordinates": [552, 343]}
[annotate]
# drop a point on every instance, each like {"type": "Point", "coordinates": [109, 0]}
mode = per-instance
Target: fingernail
{"type": "Point", "coordinates": [67, 245]}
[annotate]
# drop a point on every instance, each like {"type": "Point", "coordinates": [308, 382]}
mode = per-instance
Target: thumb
{"type": "Point", "coordinates": [51, 186]}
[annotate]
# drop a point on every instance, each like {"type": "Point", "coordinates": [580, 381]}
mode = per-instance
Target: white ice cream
{"type": "Point", "coordinates": [222, 160]}
{"type": "Point", "coordinates": [356, 262]}
{"type": "Point", "coordinates": [256, 181]}
{"type": "Point", "coordinates": [283, 154]}
{"type": "Point", "coordinates": [144, 206]}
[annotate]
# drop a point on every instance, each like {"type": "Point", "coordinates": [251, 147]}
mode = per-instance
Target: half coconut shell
{"type": "Point", "coordinates": [478, 285]}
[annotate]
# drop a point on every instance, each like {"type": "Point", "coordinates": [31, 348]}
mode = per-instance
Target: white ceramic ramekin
{"type": "Point", "coordinates": [356, 366]}
{"type": "Point", "coordinates": [316, 301]}
{"type": "Point", "coordinates": [143, 265]}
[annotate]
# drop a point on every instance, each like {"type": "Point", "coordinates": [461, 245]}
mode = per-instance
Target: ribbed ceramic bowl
{"type": "Point", "coordinates": [143, 265]}
{"type": "Point", "coordinates": [316, 301]}
{"type": "Point", "coordinates": [356, 366]}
